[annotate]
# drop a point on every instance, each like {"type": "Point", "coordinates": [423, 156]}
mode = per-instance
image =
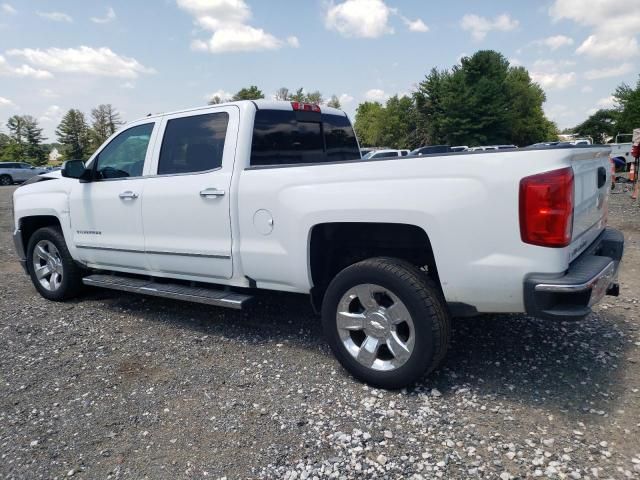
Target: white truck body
{"type": "Point", "coordinates": [467, 207]}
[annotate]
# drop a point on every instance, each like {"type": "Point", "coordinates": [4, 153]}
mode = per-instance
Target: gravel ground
{"type": "Point", "coordinates": [123, 386]}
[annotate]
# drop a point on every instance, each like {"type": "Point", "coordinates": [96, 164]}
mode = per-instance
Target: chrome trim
{"type": "Point", "coordinates": [608, 272]}
{"type": "Point", "coordinates": [153, 252]}
{"type": "Point", "coordinates": [212, 192]}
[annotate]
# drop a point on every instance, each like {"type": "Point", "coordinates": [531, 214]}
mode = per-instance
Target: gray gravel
{"type": "Point", "coordinates": [122, 386]}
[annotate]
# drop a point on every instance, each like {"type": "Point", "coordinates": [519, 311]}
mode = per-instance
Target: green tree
{"type": "Point", "coordinates": [105, 120]}
{"type": "Point", "coordinates": [299, 96]}
{"type": "Point", "coordinates": [73, 134]}
{"type": "Point", "coordinates": [25, 141]}
{"type": "Point", "coordinates": [251, 93]}
{"type": "Point", "coordinates": [314, 97]}
{"type": "Point", "coordinates": [481, 101]}
{"type": "Point", "coordinates": [368, 124]}
{"type": "Point", "coordinates": [35, 152]}
{"type": "Point", "coordinates": [628, 100]}
{"type": "Point", "coordinates": [334, 102]}
{"type": "Point", "coordinates": [600, 126]}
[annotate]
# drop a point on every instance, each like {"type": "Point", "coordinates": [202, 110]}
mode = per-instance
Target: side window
{"type": "Point", "coordinates": [193, 144]}
{"type": "Point", "coordinates": [124, 155]}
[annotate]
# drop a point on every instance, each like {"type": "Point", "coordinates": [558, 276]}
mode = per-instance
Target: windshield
{"type": "Point", "coordinates": [369, 154]}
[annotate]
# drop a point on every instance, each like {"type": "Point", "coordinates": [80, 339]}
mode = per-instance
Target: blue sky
{"type": "Point", "coordinates": [153, 56]}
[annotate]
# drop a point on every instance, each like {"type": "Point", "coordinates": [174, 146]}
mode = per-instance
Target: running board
{"type": "Point", "coordinates": [209, 296]}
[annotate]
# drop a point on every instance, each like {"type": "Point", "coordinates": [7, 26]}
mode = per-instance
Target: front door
{"type": "Point", "coordinates": [185, 211]}
{"type": "Point", "coordinates": [106, 215]}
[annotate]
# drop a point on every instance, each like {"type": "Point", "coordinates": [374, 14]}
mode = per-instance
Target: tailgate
{"type": "Point", "coordinates": [592, 183]}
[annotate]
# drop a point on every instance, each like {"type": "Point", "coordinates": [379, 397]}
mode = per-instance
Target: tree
{"type": "Point", "coordinates": [481, 101]}
{"type": "Point", "coordinates": [334, 102]}
{"type": "Point", "coordinates": [35, 152]}
{"type": "Point", "coordinates": [25, 140]}
{"type": "Point", "coordinates": [368, 124]}
{"type": "Point", "coordinates": [600, 126]}
{"type": "Point", "coordinates": [216, 99]}
{"type": "Point", "coordinates": [251, 93]}
{"type": "Point", "coordinates": [73, 134]}
{"type": "Point", "coordinates": [628, 101]}
{"type": "Point", "coordinates": [299, 96]}
{"type": "Point", "coordinates": [314, 97]}
{"type": "Point", "coordinates": [105, 121]}
{"type": "Point", "coordinates": [283, 94]}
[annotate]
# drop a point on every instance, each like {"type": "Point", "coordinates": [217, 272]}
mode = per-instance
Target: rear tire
{"type": "Point", "coordinates": [386, 322]}
{"type": "Point", "coordinates": [6, 180]}
{"type": "Point", "coordinates": [53, 271]}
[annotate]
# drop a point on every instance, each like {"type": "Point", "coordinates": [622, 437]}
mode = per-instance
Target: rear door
{"type": "Point", "coordinates": [592, 182]}
{"type": "Point", "coordinates": [186, 207]}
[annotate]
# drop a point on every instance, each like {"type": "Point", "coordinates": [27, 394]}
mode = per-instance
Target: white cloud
{"type": "Point", "coordinates": [53, 114]}
{"type": "Point", "coordinates": [48, 93]}
{"type": "Point", "coordinates": [93, 61]}
{"type": "Point", "coordinates": [227, 19]}
{"type": "Point", "coordinates": [613, 71]}
{"type": "Point", "coordinates": [56, 16]}
{"type": "Point", "coordinates": [555, 42]}
{"type": "Point", "coordinates": [5, 102]}
{"type": "Point", "coordinates": [416, 25]}
{"type": "Point", "coordinates": [554, 80]}
{"type": "Point", "coordinates": [8, 9]}
{"type": "Point", "coordinates": [293, 42]}
{"type": "Point", "coordinates": [345, 99]}
{"type": "Point", "coordinates": [222, 94]}
{"type": "Point", "coordinates": [480, 26]}
{"type": "Point", "coordinates": [614, 24]}
{"type": "Point", "coordinates": [128, 85]}
{"type": "Point", "coordinates": [604, 103]}
{"type": "Point", "coordinates": [108, 18]}
{"type": "Point", "coordinates": [615, 47]}
{"type": "Point", "coordinates": [376, 95]}
{"type": "Point", "coordinates": [359, 18]}
{"type": "Point", "coordinates": [8, 70]}
{"type": "Point", "coordinates": [239, 38]}
{"type": "Point", "coordinates": [586, 89]}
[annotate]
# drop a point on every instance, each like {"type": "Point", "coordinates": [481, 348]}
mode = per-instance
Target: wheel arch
{"type": "Point", "coordinates": [28, 226]}
{"type": "Point", "coordinates": [334, 246]}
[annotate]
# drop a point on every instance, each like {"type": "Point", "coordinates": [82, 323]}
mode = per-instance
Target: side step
{"type": "Point", "coordinates": [219, 298]}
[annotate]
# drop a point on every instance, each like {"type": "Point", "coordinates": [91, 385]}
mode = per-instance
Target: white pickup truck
{"type": "Point", "coordinates": [210, 204]}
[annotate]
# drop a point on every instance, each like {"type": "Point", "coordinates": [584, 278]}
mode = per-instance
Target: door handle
{"type": "Point", "coordinates": [128, 194]}
{"type": "Point", "coordinates": [211, 192]}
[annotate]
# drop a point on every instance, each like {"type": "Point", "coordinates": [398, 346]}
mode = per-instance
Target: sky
{"type": "Point", "coordinates": [147, 56]}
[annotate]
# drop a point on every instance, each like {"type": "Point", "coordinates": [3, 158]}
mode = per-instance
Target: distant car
{"type": "Point", "coordinates": [377, 154]}
{"type": "Point", "coordinates": [459, 148]}
{"type": "Point", "coordinates": [17, 172]}
{"type": "Point", "coordinates": [404, 153]}
{"type": "Point", "coordinates": [431, 149]}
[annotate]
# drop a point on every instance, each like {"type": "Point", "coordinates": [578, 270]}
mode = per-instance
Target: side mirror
{"type": "Point", "coordinates": [75, 169]}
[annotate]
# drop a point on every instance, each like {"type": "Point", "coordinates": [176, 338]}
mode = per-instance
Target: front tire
{"type": "Point", "coordinates": [6, 180]}
{"type": "Point", "coordinates": [386, 322]}
{"type": "Point", "coordinates": [51, 267]}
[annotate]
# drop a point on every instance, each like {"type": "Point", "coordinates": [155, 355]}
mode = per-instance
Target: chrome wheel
{"type": "Point", "coordinates": [47, 265]}
{"type": "Point", "coordinates": [375, 327]}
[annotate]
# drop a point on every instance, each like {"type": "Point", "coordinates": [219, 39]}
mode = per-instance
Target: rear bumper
{"type": "Point", "coordinates": [19, 246]}
{"type": "Point", "coordinates": [571, 295]}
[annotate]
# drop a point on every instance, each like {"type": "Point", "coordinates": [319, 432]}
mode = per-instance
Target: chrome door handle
{"type": "Point", "coordinates": [212, 192]}
{"type": "Point", "coordinates": [128, 194]}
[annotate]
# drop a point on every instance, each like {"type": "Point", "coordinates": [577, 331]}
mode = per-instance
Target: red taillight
{"type": "Point", "coordinates": [305, 107]}
{"type": "Point", "coordinates": [546, 208]}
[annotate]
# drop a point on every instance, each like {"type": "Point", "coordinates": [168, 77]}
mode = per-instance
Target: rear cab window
{"type": "Point", "coordinates": [287, 137]}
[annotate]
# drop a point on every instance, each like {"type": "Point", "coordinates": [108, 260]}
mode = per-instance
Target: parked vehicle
{"type": "Point", "coordinates": [16, 172]}
{"type": "Point", "coordinates": [378, 154]}
{"type": "Point", "coordinates": [459, 148]}
{"type": "Point", "coordinates": [210, 204]}
{"type": "Point", "coordinates": [431, 149]}
{"type": "Point", "coordinates": [404, 153]}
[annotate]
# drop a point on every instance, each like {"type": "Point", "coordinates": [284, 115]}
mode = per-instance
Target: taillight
{"type": "Point", "coordinates": [305, 107]}
{"type": "Point", "coordinates": [546, 208]}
